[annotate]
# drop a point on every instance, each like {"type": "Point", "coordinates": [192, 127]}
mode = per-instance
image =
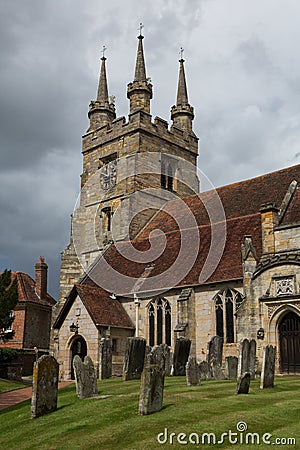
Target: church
{"type": "Point", "coordinates": [150, 256]}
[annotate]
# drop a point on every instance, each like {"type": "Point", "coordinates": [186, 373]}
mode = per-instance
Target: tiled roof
{"type": "Point", "coordinates": [184, 223]}
{"type": "Point", "coordinates": [101, 307]}
{"type": "Point", "coordinates": [239, 199]}
{"type": "Point", "coordinates": [26, 290]}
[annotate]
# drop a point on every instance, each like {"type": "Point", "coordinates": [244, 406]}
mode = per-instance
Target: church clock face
{"type": "Point", "coordinates": [108, 175]}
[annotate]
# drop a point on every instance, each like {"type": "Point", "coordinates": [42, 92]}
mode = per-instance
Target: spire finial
{"type": "Point", "coordinates": [182, 113]}
{"type": "Point", "coordinates": [140, 69]}
{"type": "Point", "coordinates": [181, 53]}
{"type": "Point", "coordinates": [182, 95]}
{"type": "Point", "coordinates": [140, 30]}
{"type": "Point", "coordinates": [102, 96]}
{"type": "Point", "coordinates": [103, 51]}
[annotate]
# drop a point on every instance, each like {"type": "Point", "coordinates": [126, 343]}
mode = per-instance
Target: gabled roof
{"type": "Point", "coordinates": [27, 292]}
{"type": "Point", "coordinates": [241, 203]}
{"type": "Point", "coordinates": [102, 309]}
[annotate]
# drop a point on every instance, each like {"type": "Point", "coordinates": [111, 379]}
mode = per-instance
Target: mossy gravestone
{"type": "Point", "coordinates": [247, 357]}
{"type": "Point", "coordinates": [134, 358]}
{"type": "Point", "coordinates": [268, 367]}
{"type": "Point", "coordinates": [152, 390]}
{"type": "Point", "coordinates": [105, 358]}
{"type": "Point", "coordinates": [215, 351]}
{"type": "Point", "coordinates": [44, 386]}
{"type": "Point", "coordinates": [181, 355]}
{"type": "Point", "coordinates": [85, 377]}
{"type": "Point", "coordinates": [231, 364]}
{"type": "Point", "coordinates": [160, 355]}
{"type": "Point", "coordinates": [192, 372]}
{"type": "Point", "coordinates": [243, 383]}
{"type": "Point", "coordinates": [205, 373]}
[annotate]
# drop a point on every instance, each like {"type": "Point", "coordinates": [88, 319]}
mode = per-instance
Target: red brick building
{"type": "Point", "coordinates": [32, 315]}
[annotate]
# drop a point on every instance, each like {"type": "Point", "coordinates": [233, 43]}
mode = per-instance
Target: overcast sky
{"type": "Point", "coordinates": [243, 72]}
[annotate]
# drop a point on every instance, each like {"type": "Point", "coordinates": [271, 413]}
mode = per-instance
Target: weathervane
{"type": "Point", "coordinates": [181, 52]}
{"type": "Point", "coordinates": [103, 51]}
{"type": "Point", "coordinates": [140, 28]}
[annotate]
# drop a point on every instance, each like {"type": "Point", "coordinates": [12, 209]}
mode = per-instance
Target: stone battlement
{"type": "Point", "coordinates": [139, 120]}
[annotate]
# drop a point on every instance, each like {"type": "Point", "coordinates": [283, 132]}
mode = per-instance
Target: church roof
{"type": "Point", "coordinates": [241, 203]}
{"type": "Point", "coordinates": [103, 309]}
{"type": "Point", "coordinates": [27, 292]}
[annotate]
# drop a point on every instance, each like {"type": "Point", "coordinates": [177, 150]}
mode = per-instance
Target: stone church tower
{"type": "Point", "coordinates": [130, 169]}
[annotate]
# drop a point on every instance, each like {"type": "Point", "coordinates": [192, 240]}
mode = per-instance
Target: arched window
{"type": "Point", "coordinates": [163, 178]}
{"type": "Point", "coordinates": [159, 313]}
{"type": "Point", "coordinates": [106, 216]}
{"type": "Point", "coordinates": [227, 303]}
{"type": "Point", "coordinates": [219, 317]}
{"type": "Point", "coordinates": [168, 323]}
{"type": "Point", "coordinates": [151, 324]}
{"type": "Point", "coordinates": [170, 178]}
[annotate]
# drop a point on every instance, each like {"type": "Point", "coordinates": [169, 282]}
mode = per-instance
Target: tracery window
{"type": "Point", "coordinates": [227, 303]}
{"type": "Point", "coordinates": [159, 319]}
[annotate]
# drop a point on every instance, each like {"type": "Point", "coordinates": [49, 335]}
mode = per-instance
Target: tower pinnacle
{"type": "Point", "coordinates": [140, 69]}
{"type": "Point", "coordinates": [182, 95]}
{"type": "Point", "coordinates": [183, 113]}
{"type": "Point", "coordinates": [139, 92]}
{"type": "Point", "coordinates": [102, 96]}
{"type": "Point", "coordinates": [101, 111]}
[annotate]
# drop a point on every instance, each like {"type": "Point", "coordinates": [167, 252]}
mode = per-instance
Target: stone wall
{"type": "Point", "coordinates": [264, 308]}
{"type": "Point", "coordinates": [92, 335]}
{"type": "Point", "coordinates": [287, 239]}
{"type": "Point", "coordinates": [87, 330]}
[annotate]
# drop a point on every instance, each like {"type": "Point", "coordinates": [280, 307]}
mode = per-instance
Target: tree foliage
{"type": "Point", "coordinates": [8, 301]}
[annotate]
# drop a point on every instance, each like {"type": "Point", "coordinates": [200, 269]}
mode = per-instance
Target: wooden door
{"type": "Point", "coordinates": [289, 341]}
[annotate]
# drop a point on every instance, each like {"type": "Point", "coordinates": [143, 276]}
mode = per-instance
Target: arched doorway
{"type": "Point", "coordinates": [289, 343]}
{"type": "Point", "coordinates": [79, 348]}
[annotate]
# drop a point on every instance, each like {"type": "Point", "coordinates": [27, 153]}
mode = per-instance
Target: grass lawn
{"type": "Point", "coordinates": [113, 422]}
{"type": "Point", "coordinates": [8, 385]}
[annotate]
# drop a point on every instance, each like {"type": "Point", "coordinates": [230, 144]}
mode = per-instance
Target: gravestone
{"type": "Point", "coordinates": [268, 367]}
{"type": "Point", "coordinates": [44, 386]}
{"type": "Point", "coordinates": [85, 377]}
{"type": "Point", "coordinates": [231, 365]}
{"type": "Point", "coordinates": [181, 355]}
{"type": "Point", "coordinates": [216, 371]}
{"type": "Point", "coordinates": [105, 358]}
{"type": "Point", "coordinates": [243, 383]}
{"type": "Point", "coordinates": [192, 372]}
{"type": "Point", "coordinates": [215, 350]}
{"type": "Point", "coordinates": [214, 359]}
{"type": "Point", "coordinates": [252, 358]}
{"type": "Point", "coordinates": [134, 358]}
{"type": "Point", "coordinates": [247, 357]}
{"type": "Point", "coordinates": [204, 369]}
{"type": "Point", "coordinates": [148, 356]}
{"type": "Point", "coordinates": [152, 390]}
{"type": "Point", "coordinates": [160, 355]}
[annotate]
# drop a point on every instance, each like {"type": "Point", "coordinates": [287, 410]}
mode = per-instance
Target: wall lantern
{"type": "Point", "coordinates": [260, 333]}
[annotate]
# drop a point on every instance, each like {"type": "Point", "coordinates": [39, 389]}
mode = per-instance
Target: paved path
{"type": "Point", "coordinates": [10, 398]}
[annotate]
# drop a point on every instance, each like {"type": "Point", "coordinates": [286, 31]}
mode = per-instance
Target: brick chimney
{"type": "Point", "coordinates": [269, 220]}
{"type": "Point", "coordinates": [41, 269]}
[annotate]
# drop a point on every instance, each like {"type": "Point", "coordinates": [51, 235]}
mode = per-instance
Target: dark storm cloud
{"type": "Point", "coordinates": [243, 79]}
